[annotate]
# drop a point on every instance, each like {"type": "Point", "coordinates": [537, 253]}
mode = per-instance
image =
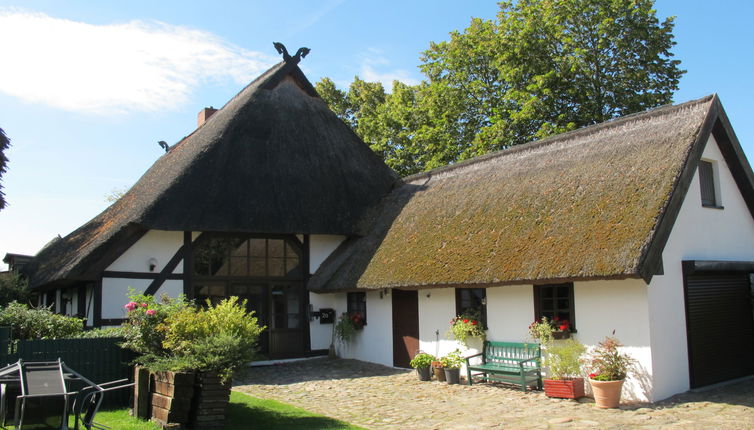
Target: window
{"type": "Point", "coordinates": [241, 257]}
{"type": "Point", "coordinates": [707, 184]}
{"type": "Point", "coordinates": [357, 303]}
{"type": "Point", "coordinates": [472, 302]}
{"type": "Point", "coordinates": [555, 300]}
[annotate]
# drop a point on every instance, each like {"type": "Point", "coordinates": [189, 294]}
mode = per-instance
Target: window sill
{"type": "Point", "coordinates": [713, 207]}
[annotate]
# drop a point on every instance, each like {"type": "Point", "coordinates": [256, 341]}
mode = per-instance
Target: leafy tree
{"type": "Point", "coordinates": [4, 145]}
{"type": "Point", "coordinates": [541, 67]}
{"type": "Point", "coordinates": [13, 287]}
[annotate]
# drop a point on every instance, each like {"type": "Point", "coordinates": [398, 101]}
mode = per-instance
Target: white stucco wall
{"type": "Point", "coordinates": [321, 334]}
{"type": "Point", "coordinates": [699, 234]}
{"type": "Point", "coordinates": [619, 305]}
{"type": "Point", "coordinates": [320, 247]}
{"type": "Point", "coordinates": [510, 310]}
{"type": "Point", "coordinates": [115, 295]}
{"type": "Point", "coordinates": [375, 342]}
{"type": "Point", "coordinates": [157, 244]}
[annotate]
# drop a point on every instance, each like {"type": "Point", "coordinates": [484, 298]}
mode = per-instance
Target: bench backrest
{"type": "Point", "coordinates": [511, 352]}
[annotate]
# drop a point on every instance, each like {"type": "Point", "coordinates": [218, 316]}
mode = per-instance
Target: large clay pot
{"type": "Point", "coordinates": [564, 388]}
{"type": "Point", "coordinates": [423, 373]}
{"type": "Point", "coordinates": [606, 393]}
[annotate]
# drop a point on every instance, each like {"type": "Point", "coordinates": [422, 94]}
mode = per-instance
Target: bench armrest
{"type": "Point", "coordinates": [521, 362]}
{"type": "Point", "coordinates": [474, 356]}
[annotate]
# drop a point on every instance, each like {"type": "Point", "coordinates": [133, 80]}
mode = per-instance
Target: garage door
{"type": "Point", "coordinates": [720, 327]}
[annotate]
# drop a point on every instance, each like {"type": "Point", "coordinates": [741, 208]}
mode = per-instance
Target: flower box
{"type": "Point", "coordinates": [564, 388]}
{"type": "Point", "coordinates": [561, 334]}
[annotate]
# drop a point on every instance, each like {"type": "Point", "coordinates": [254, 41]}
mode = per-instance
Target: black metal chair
{"type": "Point", "coordinates": [89, 400]}
{"type": "Point", "coordinates": [44, 399]}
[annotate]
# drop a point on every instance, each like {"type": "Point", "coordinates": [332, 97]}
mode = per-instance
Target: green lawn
{"type": "Point", "coordinates": [243, 412]}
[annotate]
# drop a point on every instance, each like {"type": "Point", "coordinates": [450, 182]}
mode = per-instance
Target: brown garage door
{"type": "Point", "coordinates": [720, 327]}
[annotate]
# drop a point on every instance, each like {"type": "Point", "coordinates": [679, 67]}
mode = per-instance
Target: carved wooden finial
{"type": "Point", "coordinates": [301, 53]}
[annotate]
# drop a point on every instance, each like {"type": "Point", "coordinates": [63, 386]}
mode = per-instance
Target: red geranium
{"type": "Point", "coordinates": [474, 323]}
{"type": "Point", "coordinates": [466, 321]}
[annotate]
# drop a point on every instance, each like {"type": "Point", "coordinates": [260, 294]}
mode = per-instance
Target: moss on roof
{"type": "Point", "coordinates": [580, 205]}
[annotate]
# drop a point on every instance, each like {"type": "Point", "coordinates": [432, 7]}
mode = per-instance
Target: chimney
{"type": "Point", "coordinates": [204, 115]}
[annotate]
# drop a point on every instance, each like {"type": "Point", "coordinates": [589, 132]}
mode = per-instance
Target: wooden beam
{"type": "Point", "coordinates": [166, 271]}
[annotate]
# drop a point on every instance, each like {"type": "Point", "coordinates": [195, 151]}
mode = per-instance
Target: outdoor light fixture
{"type": "Point", "coordinates": [152, 264]}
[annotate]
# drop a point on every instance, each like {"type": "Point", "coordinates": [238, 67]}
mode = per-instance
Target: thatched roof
{"type": "Point", "coordinates": [595, 203]}
{"type": "Point", "coordinates": [274, 159]}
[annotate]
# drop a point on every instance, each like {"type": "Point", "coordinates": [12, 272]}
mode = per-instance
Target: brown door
{"type": "Point", "coordinates": [405, 327]}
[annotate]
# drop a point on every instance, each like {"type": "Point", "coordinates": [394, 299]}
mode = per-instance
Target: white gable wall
{"type": "Point", "coordinates": [320, 247]}
{"type": "Point", "coordinates": [157, 244]}
{"type": "Point", "coordinates": [699, 234]}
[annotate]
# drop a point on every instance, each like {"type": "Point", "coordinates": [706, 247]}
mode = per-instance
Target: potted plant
{"type": "Point", "coordinates": [607, 368]}
{"type": "Point", "coordinates": [545, 330]}
{"type": "Point", "coordinates": [465, 326]}
{"type": "Point", "coordinates": [452, 363]}
{"type": "Point", "coordinates": [562, 361]}
{"type": "Point", "coordinates": [421, 362]}
{"type": "Point", "coordinates": [438, 370]}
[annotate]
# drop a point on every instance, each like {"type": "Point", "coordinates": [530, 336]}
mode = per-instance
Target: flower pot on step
{"type": "Point", "coordinates": [606, 393]}
{"type": "Point", "coordinates": [452, 375]}
{"type": "Point", "coordinates": [439, 373]}
{"type": "Point", "coordinates": [564, 388]}
{"type": "Point", "coordinates": [423, 373]}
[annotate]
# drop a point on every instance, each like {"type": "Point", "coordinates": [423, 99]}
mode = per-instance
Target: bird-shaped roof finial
{"type": "Point", "coordinates": [301, 53]}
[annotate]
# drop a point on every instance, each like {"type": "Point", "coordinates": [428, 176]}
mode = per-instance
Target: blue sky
{"type": "Point", "coordinates": [88, 88]}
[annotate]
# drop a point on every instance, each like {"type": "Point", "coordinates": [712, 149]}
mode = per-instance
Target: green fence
{"type": "Point", "coordinates": [98, 359]}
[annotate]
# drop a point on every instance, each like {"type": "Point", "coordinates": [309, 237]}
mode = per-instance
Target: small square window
{"type": "Point", "coordinates": [562, 308]}
{"type": "Point", "coordinates": [472, 302]}
{"type": "Point", "coordinates": [357, 304]}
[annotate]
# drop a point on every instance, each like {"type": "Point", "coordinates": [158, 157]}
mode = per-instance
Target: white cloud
{"type": "Point", "coordinates": [375, 60]}
{"type": "Point", "coordinates": [116, 68]}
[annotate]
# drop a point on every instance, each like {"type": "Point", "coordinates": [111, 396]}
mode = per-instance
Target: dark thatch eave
{"type": "Point", "coordinates": [273, 160]}
{"type": "Point", "coordinates": [595, 203]}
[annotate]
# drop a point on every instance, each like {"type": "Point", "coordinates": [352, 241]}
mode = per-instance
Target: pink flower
{"type": "Point", "coordinates": [151, 312]}
{"type": "Point", "coordinates": [131, 306]}
{"type": "Point", "coordinates": [143, 305]}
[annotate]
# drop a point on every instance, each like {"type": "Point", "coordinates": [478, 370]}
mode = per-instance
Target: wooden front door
{"type": "Point", "coordinates": [405, 327]}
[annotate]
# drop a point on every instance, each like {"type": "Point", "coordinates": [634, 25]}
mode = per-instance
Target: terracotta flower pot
{"type": "Point", "coordinates": [564, 388]}
{"type": "Point", "coordinates": [439, 371]}
{"type": "Point", "coordinates": [606, 393]}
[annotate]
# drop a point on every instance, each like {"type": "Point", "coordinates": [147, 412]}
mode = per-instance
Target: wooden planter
{"type": "Point", "coordinates": [181, 400]}
{"type": "Point", "coordinates": [564, 388]}
{"type": "Point", "coordinates": [210, 401]}
{"type": "Point", "coordinates": [560, 335]}
{"type": "Point", "coordinates": [171, 395]}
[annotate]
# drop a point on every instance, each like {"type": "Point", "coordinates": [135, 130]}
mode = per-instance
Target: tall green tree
{"type": "Point", "coordinates": [4, 145]}
{"type": "Point", "coordinates": [540, 68]}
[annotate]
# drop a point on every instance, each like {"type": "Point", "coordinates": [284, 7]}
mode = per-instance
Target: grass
{"type": "Point", "coordinates": [272, 415]}
{"type": "Point", "coordinates": [244, 412]}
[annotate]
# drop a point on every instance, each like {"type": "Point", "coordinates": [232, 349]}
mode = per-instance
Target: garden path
{"type": "Point", "coordinates": [379, 397]}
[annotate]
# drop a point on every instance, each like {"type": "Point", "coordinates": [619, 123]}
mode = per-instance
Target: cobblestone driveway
{"type": "Point", "coordinates": [380, 397]}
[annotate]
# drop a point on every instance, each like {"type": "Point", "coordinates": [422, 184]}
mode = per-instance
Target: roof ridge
{"type": "Point", "coordinates": [590, 129]}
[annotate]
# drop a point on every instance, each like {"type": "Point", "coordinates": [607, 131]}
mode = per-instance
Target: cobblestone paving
{"type": "Point", "coordinates": [380, 397]}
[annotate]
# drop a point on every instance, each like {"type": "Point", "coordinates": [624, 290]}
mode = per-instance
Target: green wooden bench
{"type": "Point", "coordinates": [513, 362]}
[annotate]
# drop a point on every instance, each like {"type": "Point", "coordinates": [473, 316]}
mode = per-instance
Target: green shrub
{"type": "Point", "coordinates": [145, 315]}
{"type": "Point", "coordinates": [422, 360]}
{"type": "Point", "coordinates": [39, 323]}
{"type": "Point", "coordinates": [13, 288]}
{"type": "Point", "coordinates": [175, 335]}
{"type": "Point", "coordinates": [119, 331]}
{"type": "Point", "coordinates": [453, 360]}
{"type": "Point", "coordinates": [562, 359]}
{"type": "Point", "coordinates": [345, 329]}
